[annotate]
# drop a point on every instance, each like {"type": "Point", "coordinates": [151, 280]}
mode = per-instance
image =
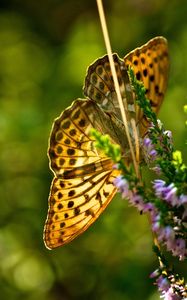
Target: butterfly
{"type": "Point", "coordinates": [82, 186]}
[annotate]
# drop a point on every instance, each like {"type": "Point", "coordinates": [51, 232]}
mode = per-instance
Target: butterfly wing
{"type": "Point", "coordinates": [150, 64]}
{"type": "Point", "coordinates": [99, 85]}
{"type": "Point", "coordinates": [83, 182]}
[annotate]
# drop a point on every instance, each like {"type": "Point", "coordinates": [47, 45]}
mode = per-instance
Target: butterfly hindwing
{"type": "Point", "coordinates": [83, 183]}
{"type": "Point", "coordinates": [99, 85]}
{"type": "Point", "coordinates": [75, 203]}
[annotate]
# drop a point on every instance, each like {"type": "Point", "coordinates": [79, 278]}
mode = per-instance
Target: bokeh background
{"type": "Point", "coordinates": [45, 48]}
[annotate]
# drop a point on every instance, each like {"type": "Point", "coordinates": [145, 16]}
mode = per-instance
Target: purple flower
{"type": "Point", "coordinates": [149, 149]}
{"type": "Point", "coordinates": [167, 193]}
{"type": "Point", "coordinates": [157, 170]}
{"type": "Point", "coordinates": [166, 234]}
{"type": "Point", "coordinates": [149, 207]}
{"type": "Point", "coordinates": [147, 143]}
{"type": "Point", "coordinates": [154, 274]}
{"type": "Point", "coordinates": [122, 185]}
{"type": "Point", "coordinates": [155, 219]}
{"type": "Point", "coordinates": [162, 283]}
{"type": "Point", "coordinates": [170, 295]}
{"type": "Point", "coordinates": [170, 290]}
{"type": "Point", "coordinates": [137, 201]}
{"type": "Point", "coordinates": [170, 194]}
{"type": "Point", "coordinates": [159, 123]}
{"type": "Point", "coordinates": [178, 248]}
{"type": "Point", "coordinates": [158, 185]}
{"type": "Point", "coordinates": [153, 154]}
{"type": "Point", "coordinates": [134, 199]}
{"type": "Point", "coordinates": [183, 199]}
{"type": "Point", "coordinates": [167, 289]}
{"type": "Point", "coordinates": [156, 226]}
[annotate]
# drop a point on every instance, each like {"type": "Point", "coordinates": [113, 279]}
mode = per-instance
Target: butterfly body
{"type": "Point", "coordinates": [83, 176]}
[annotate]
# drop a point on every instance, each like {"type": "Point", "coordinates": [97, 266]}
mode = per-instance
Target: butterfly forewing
{"type": "Point", "coordinates": [83, 176]}
{"type": "Point", "coordinates": [150, 64]}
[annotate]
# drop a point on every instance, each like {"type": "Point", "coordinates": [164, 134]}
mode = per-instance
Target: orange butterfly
{"type": "Point", "coordinates": [83, 176]}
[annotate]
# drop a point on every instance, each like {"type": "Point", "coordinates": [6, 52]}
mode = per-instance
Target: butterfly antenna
{"type": "Point", "coordinates": [116, 83]}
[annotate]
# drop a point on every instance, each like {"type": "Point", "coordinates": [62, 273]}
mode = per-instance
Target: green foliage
{"type": "Point", "coordinates": [103, 143]}
{"type": "Point", "coordinates": [185, 110]}
{"type": "Point", "coordinates": [45, 48]}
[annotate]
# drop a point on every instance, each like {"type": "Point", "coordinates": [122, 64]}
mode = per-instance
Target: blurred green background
{"type": "Point", "coordinates": [45, 48]}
